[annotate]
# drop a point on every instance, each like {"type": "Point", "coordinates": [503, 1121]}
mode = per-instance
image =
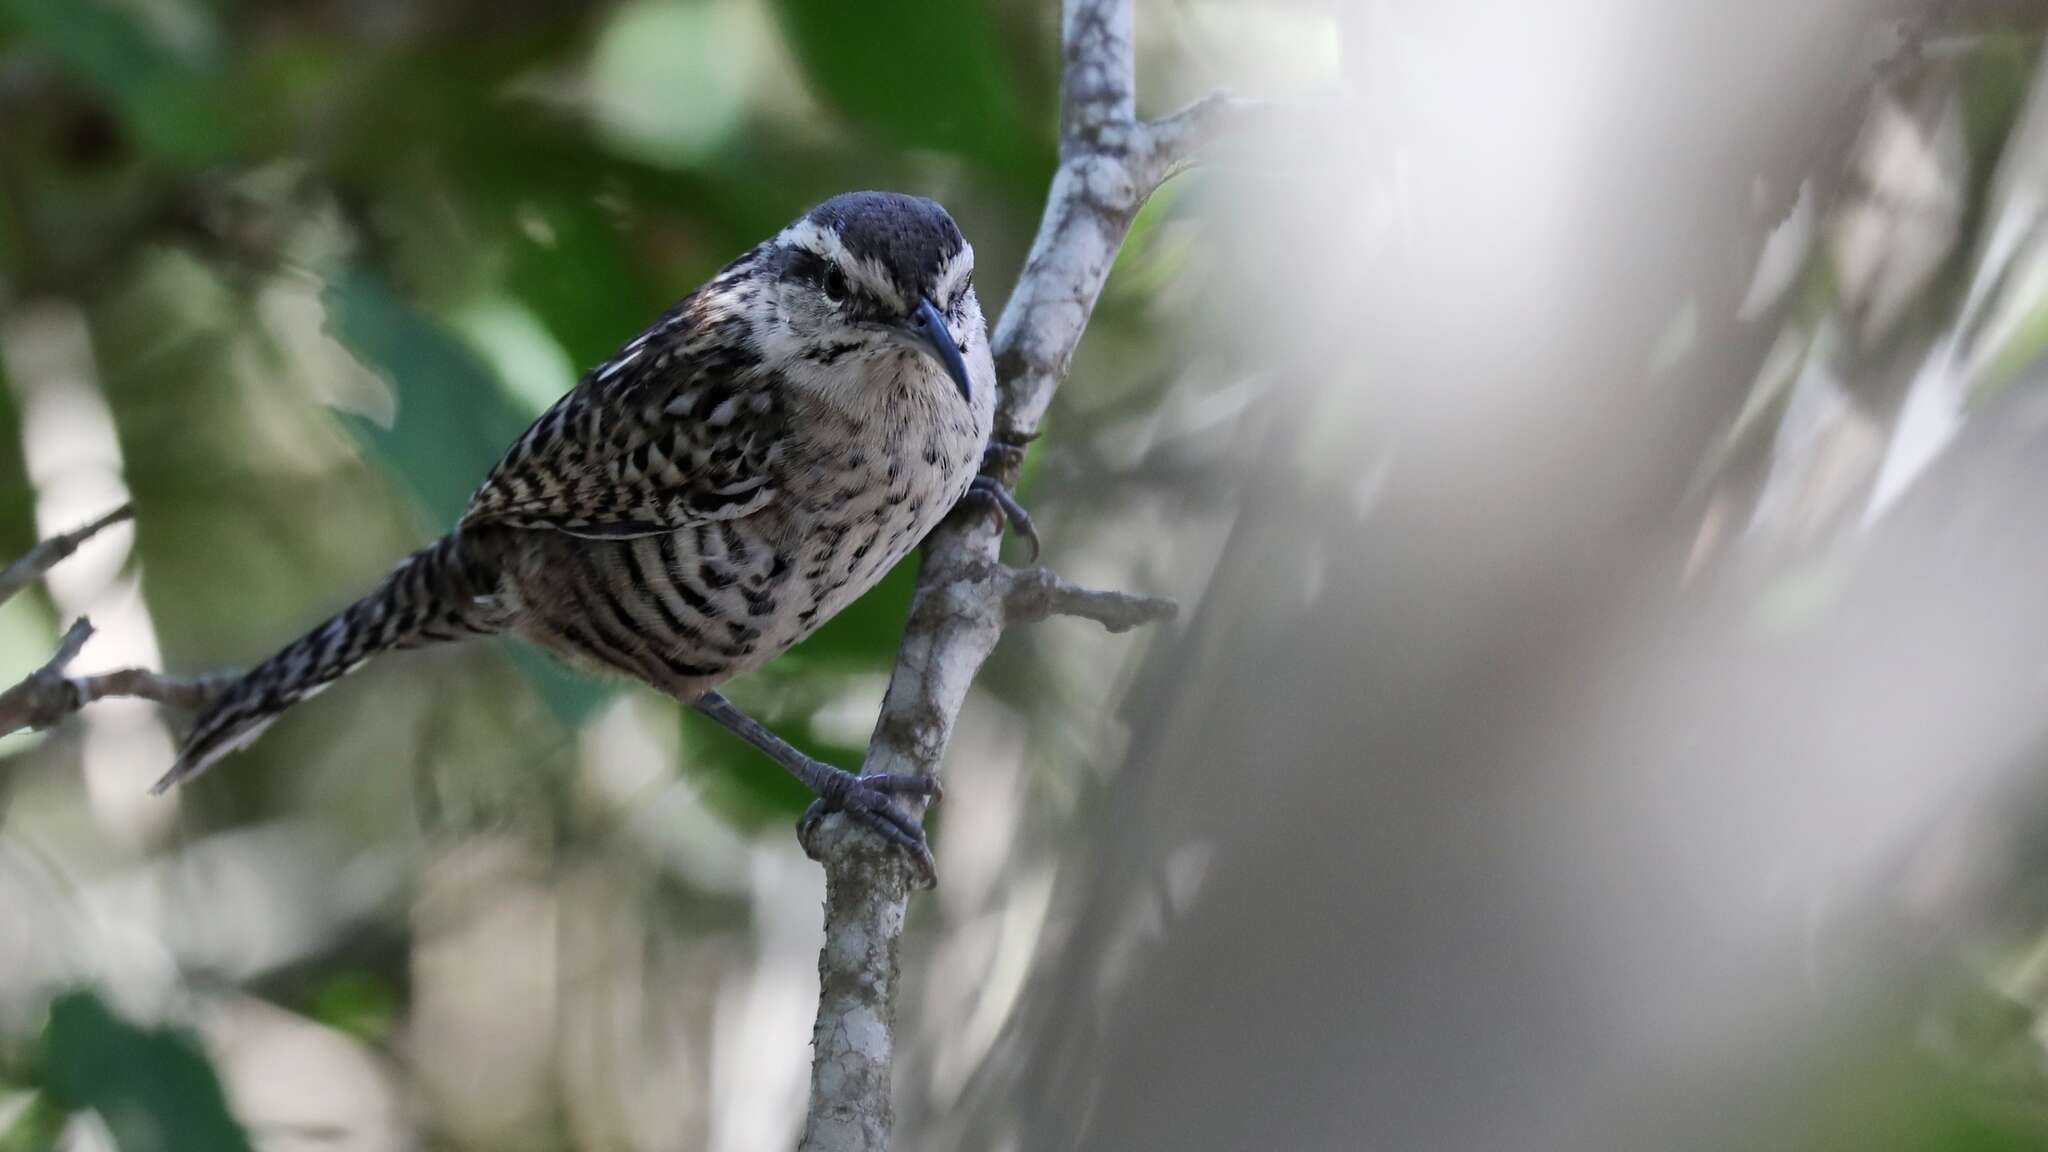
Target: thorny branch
{"type": "Point", "coordinates": [1110, 162]}
{"type": "Point", "coordinates": [48, 695]}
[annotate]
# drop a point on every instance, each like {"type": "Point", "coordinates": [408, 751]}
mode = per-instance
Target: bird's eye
{"type": "Point", "coordinates": [833, 284]}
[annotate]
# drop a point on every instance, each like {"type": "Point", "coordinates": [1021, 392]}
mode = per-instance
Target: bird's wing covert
{"type": "Point", "coordinates": [677, 429]}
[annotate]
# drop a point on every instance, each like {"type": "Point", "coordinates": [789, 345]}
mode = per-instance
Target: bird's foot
{"type": "Point", "coordinates": [1002, 457]}
{"type": "Point", "coordinates": [866, 801]}
{"type": "Point", "coordinates": [989, 496]}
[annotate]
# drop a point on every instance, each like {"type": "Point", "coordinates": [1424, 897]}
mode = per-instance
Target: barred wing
{"type": "Point", "coordinates": [679, 428]}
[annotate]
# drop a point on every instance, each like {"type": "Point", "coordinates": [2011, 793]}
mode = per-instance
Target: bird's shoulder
{"type": "Point", "coordinates": [682, 426]}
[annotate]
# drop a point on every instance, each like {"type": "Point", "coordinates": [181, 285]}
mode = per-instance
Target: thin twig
{"type": "Point", "coordinates": [191, 694]}
{"type": "Point", "coordinates": [1110, 162]}
{"type": "Point", "coordinates": [46, 555]}
{"type": "Point", "coordinates": [1173, 142]}
{"type": "Point", "coordinates": [1040, 593]}
{"type": "Point", "coordinates": [47, 696]}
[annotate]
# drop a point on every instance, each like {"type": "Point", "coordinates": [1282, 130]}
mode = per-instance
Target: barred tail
{"type": "Point", "coordinates": [441, 593]}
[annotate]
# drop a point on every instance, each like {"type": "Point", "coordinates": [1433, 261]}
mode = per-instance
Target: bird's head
{"type": "Point", "coordinates": [867, 281]}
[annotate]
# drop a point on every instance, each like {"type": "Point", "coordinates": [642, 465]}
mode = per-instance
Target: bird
{"type": "Point", "coordinates": [712, 494]}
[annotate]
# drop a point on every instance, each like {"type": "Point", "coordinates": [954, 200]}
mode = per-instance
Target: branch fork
{"type": "Point", "coordinates": [1035, 594]}
{"type": "Point", "coordinates": [1169, 145]}
{"type": "Point", "coordinates": [47, 696]}
{"type": "Point", "coordinates": [1110, 163]}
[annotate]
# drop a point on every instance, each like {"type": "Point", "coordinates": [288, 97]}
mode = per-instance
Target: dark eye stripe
{"type": "Point", "coordinates": [806, 265]}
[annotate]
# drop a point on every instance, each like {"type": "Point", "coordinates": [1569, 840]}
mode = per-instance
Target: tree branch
{"type": "Point", "coordinates": [1110, 162]}
{"type": "Point", "coordinates": [46, 555]}
{"type": "Point", "coordinates": [47, 696]}
{"type": "Point", "coordinates": [1174, 142]}
{"type": "Point", "coordinates": [1040, 593]}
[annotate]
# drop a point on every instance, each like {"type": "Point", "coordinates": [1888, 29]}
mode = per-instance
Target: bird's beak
{"type": "Point", "coordinates": [926, 329]}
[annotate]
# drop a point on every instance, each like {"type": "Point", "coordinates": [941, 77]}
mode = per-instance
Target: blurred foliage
{"type": "Point", "coordinates": [1908, 264]}
{"type": "Point", "coordinates": [153, 1087]}
{"type": "Point", "coordinates": [574, 168]}
{"type": "Point", "coordinates": [332, 256]}
{"type": "Point", "coordinates": [455, 423]}
{"type": "Point", "coordinates": [358, 1004]}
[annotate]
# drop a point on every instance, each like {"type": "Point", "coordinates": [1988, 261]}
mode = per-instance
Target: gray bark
{"type": "Point", "coordinates": [1110, 162]}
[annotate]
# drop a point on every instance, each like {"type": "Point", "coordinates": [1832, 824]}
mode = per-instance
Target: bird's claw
{"type": "Point", "coordinates": [866, 801]}
{"type": "Point", "coordinates": [988, 494]}
{"type": "Point", "coordinates": [1002, 457]}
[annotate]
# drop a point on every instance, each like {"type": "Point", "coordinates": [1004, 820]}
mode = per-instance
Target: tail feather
{"type": "Point", "coordinates": [443, 592]}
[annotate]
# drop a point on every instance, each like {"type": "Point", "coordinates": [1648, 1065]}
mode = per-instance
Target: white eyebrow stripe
{"type": "Point", "coordinates": [823, 241]}
{"type": "Point", "coordinates": [826, 244]}
{"type": "Point", "coordinates": [954, 274]}
{"type": "Point", "coordinates": [876, 278]}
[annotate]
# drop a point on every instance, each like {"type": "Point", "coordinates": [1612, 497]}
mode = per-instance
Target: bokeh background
{"type": "Point", "coordinates": [1598, 446]}
{"type": "Point", "coordinates": [290, 276]}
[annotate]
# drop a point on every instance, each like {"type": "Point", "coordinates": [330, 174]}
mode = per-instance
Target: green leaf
{"type": "Point", "coordinates": [154, 1087]}
{"type": "Point", "coordinates": [583, 282]}
{"type": "Point", "coordinates": [454, 418]}
{"type": "Point", "coordinates": [358, 1004]}
{"type": "Point", "coordinates": [37, 1127]}
{"type": "Point", "coordinates": [917, 74]}
{"type": "Point", "coordinates": [99, 44]}
{"type": "Point", "coordinates": [571, 695]}
{"type": "Point", "coordinates": [162, 75]}
{"type": "Point", "coordinates": [738, 781]}
{"type": "Point", "coordinates": [1996, 76]}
